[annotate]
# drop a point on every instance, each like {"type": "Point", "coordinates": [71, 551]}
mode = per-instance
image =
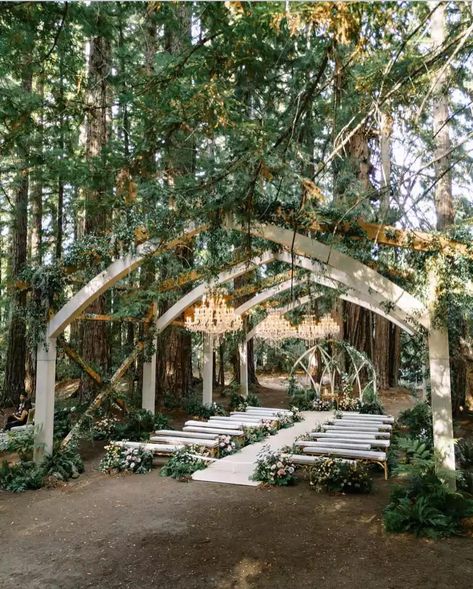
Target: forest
{"type": "Point", "coordinates": [194, 132]}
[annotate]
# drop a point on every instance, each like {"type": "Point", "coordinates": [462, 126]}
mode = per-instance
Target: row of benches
{"type": "Point", "coordinates": [206, 434]}
{"type": "Point", "coordinates": [349, 435]}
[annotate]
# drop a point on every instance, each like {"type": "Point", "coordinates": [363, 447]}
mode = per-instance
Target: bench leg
{"type": "Point", "coordinates": [385, 465]}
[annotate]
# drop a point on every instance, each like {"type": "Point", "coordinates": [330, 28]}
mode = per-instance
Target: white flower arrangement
{"type": "Point", "coordinates": [118, 459]}
{"type": "Point", "coordinates": [273, 469]}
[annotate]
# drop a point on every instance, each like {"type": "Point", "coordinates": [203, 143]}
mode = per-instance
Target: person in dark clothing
{"type": "Point", "coordinates": [20, 417]}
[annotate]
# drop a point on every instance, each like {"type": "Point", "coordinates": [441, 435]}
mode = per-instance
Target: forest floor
{"type": "Point", "coordinates": [145, 530]}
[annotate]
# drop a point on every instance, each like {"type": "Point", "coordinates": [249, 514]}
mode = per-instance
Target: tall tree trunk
{"type": "Point", "coordinates": [443, 198]}
{"type": "Point", "coordinates": [95, 334]}
{"type": "Point", "coordinates": [16, 347]}
{"type": "Point", "coordinates": [174, 357]}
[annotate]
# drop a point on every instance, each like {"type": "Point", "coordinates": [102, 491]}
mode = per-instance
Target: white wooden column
{"type": "Point", "coordinates": [207, 369]}
{"type": "Point", "coordinates": [442, 421]}
{"type": "Point", "coordinates": [440, 387]}
{"type": "Point", "coordinates": [148, 393]}
{"type": "Point", "coordinates": [44, 402]}
{"type": "Point", "coordinates": [243, 352]}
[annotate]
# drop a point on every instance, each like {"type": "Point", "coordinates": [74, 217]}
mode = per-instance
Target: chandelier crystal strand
{"type": "Point", "coordinates": [275, 327]}
{"type": "Point", "coordinates": [310, 329]}
{"type": "Point", "coordinates": [213, 315]}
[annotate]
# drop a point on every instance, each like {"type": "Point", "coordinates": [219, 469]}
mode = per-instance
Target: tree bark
{"type": "Point", "coordinates": [16, 347]}
{"type": "Point", "coordinates": [95, 333]}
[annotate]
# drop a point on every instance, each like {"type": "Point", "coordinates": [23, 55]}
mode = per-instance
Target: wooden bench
{"type": "Point", "coordinates": [350, 414]}
{"type": "Point", "coordinates": [179, 434]}
{"type": "Point", "coordinates": [367, 455]}
{"type": "Point", "coordinates": [335, 444]}
{"type": "Point", "coordinates": [218, 431]}
{"type": "Point", "coordinates": [306, 460]}
{"type": "Point", "coordinates": [154, 448]}
{"type": "Point", "coordinates": [209, 424]}
{"type": "Point", "coordinates": [374, 442]}
{"type": "Point", "coordinates": [356, 430]}
{"type": "Point", "coordinates": [347, 423]}
{"type": "Point", "coordinates": [273, 409]}
{"type": "Point", "coordinates": [196, 441]}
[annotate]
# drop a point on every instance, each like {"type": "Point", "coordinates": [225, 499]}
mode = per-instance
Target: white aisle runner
{"type": "Point", "coordinates": [238, 468]}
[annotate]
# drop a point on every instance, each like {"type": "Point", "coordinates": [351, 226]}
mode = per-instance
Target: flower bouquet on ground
{"type": "Point", "coordinates": [285, 420]}
{"type": "Point", "coordinates": [335, 474]}
{"type": "Point", "coordinates": [269, 426]}
{"type": "Point", "coordinates": [226, 446]}
{"type": "Point", "coordinates": [319, 405]}
{"type": "Point", "coordinates": [253, 434]}
{"type": "Point", "coordinates": [296, 414]}
{"type": "Point", "coordinates": [273, 469]}
{"type": "Point", "coordinates": [118, 459]}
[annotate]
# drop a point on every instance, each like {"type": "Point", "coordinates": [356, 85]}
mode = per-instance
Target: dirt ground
{"type": "Point", "coordinates": [147, 531]}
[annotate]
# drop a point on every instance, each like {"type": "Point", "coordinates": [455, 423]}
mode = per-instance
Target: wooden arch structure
{"type": "Point", "coordinates": [329, 266]}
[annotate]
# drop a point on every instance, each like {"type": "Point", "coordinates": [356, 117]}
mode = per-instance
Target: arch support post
{"type": "Point", "coordinates": [148, 393]}
{"type": "Point", "coordinates": [207, 369]}
{"type": "Point", "coordinates": [243, 353]}
{"type": "Point", "coordinates": [44, 408]}
{"type": "Point", "coordinates": [442, 422]}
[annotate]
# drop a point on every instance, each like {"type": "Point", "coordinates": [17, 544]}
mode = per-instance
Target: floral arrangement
{"type": "Point", "coordinates": [252, 435]}
{"type": "Point", "coordinates": [184, 462]}
{"type": "Point", "coordinates": [285, 420]}
{"type": "Point", "coordinates": [319, 405]}
{"type": "Point", "coordinates": [346, 403]}
{"type": "Point", "coordinates": [335, 474]}
{"type": "Point", "coordinates": [118, 459]}
{"type": "Point", "coordinates": [226, 446]}
{"type": "Point", "coordinates": [269, 426]}
{"type": "Point", "coordinates": [273, 469]}
{"type": "Point", "coordinates": [296, 414]}
{"type": "Point", "coordinates": [104, 427]}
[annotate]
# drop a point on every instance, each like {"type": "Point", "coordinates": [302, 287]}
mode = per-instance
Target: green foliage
{"type": "Point", "coordinates": [193, 406]}
{"type": "Point", "coordinates": [253, 435]}
{"type": "Point", "coordinates": [183, 463]}
{"type": "Point", "coordinates": [335, 474]}
{"type": "Point", "coordinates": [417, 423]}
{"type": "Point", "coordinates": [424, 505]}
{"type": "Point", "coordinates": [63, 464]}
{"type": "Point", "coordinates": [137, 426]}
{"type": "Point", "coordinates": [22, 443]}
{"type": "Point", "coordinates": [161, 421]}
{"type": "Point", "coordinates": [373, 408]}
{"type": "Point", "coordinates": [464, 453]}
{"type": "Point", "coordinates": [20, 477]}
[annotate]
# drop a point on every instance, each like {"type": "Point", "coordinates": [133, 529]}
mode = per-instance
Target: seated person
{"type": "Point", "coordinates": [20, 417]}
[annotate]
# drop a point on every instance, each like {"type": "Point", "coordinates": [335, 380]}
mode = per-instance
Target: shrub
{"type": "Point", "coordinates": [20, 442]}
{"type": "Point", "coordinates": [273, 469]}
{"type": "Point", "coordinates": [136, 427]}
{"type": "Point", "coordinates": [194, 407]}
{"type": "Point", "coordinates": [183, 463]}
{"type": "Point", "coordinates": [20, 477]}
{"type": "Point", "coordinates": [161, 421]}
{"type": "Point", "coordinates": [464, 453]}
{"type": "Point", "coordinates": [104, 428]}
{"type": "Point", "coordinates": [118, 459]}
{"type": "Point", "coordinates": [63, 464]}
{"type": "Point", "coordinates": [253, 434]}
{"type": "Point", "coordinates": [424, 505]}
{"type": "Point", "coordinates": [335, 474]}
{"type": "Point", "coordinates": [373, 408]}
{"type": "Point", "coordinates": [417, 422]}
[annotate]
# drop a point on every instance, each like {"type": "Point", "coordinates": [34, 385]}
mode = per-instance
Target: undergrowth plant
{"type": "Point", "coordinates": [423, 504]}
{"type": "Point", "coordinates": [183, 463]}
{"type": "Point", "coordinates": [118, 459]}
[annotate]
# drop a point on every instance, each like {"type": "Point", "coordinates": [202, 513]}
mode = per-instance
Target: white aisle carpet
{"type": "Point", "coordinates": [238, 468]}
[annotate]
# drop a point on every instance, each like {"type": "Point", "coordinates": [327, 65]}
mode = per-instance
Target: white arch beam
{"type": "Point", "coordinates": [344, 268]}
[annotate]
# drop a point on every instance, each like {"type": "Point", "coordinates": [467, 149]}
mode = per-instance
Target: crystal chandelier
{"type": "Point", "coordinates": [275, 327]}
{"type": "Point", "coordinates": [213, 315]}
{"type": "Point", "coordinates": [310, 329]}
